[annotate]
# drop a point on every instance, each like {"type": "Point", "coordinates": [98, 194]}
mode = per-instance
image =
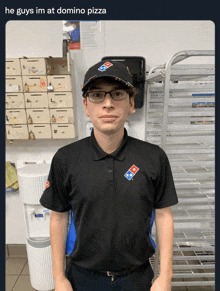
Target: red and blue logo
{"type": "Point", "coordinates": [47, 184]}
{"type": "Point", "coordinates": [131, 172]}
{"type": "Point", "coordinates": [105, 66]}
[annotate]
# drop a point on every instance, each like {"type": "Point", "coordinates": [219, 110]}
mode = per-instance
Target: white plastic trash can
{"type": "Point", "coordinates": [40, 263]}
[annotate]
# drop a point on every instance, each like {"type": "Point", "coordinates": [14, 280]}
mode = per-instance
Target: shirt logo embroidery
{"type": "Point", "coordinates": [47, 184]}
{"type": "Point", "coordinates": [105, 66]}
{"type": "Point", "coordinates": [131, 172]}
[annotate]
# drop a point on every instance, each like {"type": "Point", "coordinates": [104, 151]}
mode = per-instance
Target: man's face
{"type": "Point", "coordinates": [108, 116]}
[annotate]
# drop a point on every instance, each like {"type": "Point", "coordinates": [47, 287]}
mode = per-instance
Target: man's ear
{"type": "Point", "coordinates": [85, 106]}
{"type": "Point", "coordinates": [131, 109]}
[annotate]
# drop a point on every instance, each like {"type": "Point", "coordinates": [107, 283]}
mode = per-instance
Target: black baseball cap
{"type": "Point", "coordinates": [103, 69]}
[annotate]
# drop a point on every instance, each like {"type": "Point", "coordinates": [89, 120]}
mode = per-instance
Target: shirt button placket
{"type": "Point", "coordinates": [110, 171]}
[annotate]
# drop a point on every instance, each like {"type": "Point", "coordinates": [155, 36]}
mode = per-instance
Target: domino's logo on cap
{"type": "Point", "coordinates": [117, 71]}
{"type": "Point", "coordinates": [105, 66]}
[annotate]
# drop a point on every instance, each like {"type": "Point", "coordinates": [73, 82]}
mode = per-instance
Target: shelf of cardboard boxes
{"type": "Point", "coordinates": [39, 99]}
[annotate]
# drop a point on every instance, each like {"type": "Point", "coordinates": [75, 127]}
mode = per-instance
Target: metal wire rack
{"type": "Point", "coordinates": [180, 118]}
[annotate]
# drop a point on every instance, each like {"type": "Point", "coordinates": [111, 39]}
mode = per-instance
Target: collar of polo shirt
{"type": "Point", "coordinates": [119, 154]}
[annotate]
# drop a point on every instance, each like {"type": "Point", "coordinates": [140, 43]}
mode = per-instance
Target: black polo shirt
{"type": "Point", "coordinates": [111, 198]}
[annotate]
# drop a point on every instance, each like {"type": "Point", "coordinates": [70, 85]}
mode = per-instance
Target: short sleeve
{"type": "Point", "coordinates": [54, 196]}
{"type": "Point", "coordinates": [165, 192]}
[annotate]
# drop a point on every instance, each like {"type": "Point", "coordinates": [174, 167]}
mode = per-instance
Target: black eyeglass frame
{"type": "Point", "coordinates": [110, 92]}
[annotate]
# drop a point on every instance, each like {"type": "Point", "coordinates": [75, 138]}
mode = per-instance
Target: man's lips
{"type": "Point", "coordinates": [108, 116]}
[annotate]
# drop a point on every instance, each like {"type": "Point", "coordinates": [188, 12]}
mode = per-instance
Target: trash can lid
{"type": "Point", "coordinates": [39, 239]}
{"type": "Point", "coordinates": [39, 242]}
{"type": "Point", "coordinates": [34, 170]}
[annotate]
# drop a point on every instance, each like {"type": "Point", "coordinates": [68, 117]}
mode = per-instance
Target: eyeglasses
{"type": "Point", "coordinates": [99, 96]}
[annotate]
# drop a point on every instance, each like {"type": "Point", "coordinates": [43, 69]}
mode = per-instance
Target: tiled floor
{"type": "Point", "coordinates": [18, 279]}
{"type": "Point", "coordinates": [17, 275]}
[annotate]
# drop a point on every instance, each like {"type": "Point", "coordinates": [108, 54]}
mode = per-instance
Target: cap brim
{"type": "Point", "coordinates": [95, 78]}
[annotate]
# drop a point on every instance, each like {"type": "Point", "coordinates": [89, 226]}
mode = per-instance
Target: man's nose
{"type": "Point", "coordinates": [108, 102]}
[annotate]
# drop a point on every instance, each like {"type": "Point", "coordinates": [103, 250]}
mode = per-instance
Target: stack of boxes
{"type": "Point", "coordinates": [39, 103]}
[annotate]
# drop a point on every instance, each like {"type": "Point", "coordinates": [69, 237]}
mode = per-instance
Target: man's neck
{"type": "Point", "coordinates": [109, 142]}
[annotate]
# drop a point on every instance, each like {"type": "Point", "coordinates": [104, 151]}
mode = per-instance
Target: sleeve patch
{"type": "Point", "coordinates": [47, 184]}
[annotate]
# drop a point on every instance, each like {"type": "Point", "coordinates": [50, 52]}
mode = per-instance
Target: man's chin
{"type": "Point", "coordinates": [109, 129]}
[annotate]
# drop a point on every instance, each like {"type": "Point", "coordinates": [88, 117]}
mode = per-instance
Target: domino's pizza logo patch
{"type": "Point", "coordinates": [47, 184]}
{"type": "Point", "coordinates": [131, 172]}
{"type": "Point", "coordinates": [105, 66]}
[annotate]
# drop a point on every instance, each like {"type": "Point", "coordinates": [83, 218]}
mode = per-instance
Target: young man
{"type": "Point", "coordinates": [113, 184]}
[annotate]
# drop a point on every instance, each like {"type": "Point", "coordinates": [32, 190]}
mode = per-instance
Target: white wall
{"type": "Point", "coordinates": [157, 41]}
{"type": "Point", "coordinates": [33, 39]}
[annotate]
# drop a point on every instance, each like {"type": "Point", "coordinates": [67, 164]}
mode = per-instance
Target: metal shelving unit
{"type": "Point", "coordinates": [180, 118]}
